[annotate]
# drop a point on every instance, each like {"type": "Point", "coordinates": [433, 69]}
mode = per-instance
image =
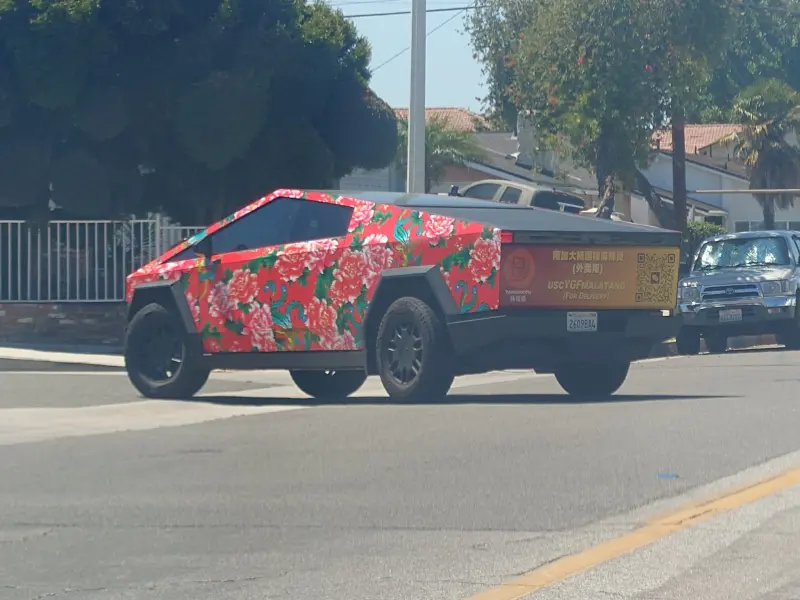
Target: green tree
{"type": "Point", "coordinates": [496, 28]}
{"type": "Point", "coordinates": [604, 74]}
{"type": "Point", "coordinates": [444, 147]}
{"type": "Point", "coordinates": [192, 107]}
{"type": "Point", "coordinates": [769, 114]}
{"type": "Point", "coordinates": [764, 42]}
{"type": "Point", "coordinates": [599, 76]}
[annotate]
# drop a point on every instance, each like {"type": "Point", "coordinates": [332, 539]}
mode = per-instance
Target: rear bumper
{"type": "Point", "coordinates": [539, 339]}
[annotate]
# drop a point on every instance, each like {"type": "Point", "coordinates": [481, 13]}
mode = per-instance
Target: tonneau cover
{"type": "Point", "coordinates": [544, 225]}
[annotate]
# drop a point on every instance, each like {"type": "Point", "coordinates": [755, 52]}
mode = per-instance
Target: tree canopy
{"type": "Point", "coordinates": [598, 77]}
{"type": "Point", "coordinates": [769, 114]}
{"type": "Point", "coordinates": [763, 43]}
{"type": "Point", "coordinates": [192, 107]}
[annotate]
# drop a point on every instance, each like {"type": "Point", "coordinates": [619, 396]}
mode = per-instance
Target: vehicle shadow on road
{"type": "Point", "coordinates": [454, 400]}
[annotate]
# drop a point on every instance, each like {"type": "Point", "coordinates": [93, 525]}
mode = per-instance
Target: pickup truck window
{"type": "Point", "coordinates": [743, 252]}
{"type": "Point", "coordinates": [796, 243]}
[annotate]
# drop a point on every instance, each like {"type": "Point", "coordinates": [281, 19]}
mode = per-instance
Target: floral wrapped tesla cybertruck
{"type": "Point", "coordinates": [414, 288]}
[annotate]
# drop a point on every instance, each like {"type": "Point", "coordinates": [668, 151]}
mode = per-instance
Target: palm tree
{"type": "Point", "coordinates": [444, 147]}
{"type": "Point", "coordinates": [768, 112]}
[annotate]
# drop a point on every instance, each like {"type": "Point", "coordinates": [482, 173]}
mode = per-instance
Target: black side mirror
{"type": "Point", "coordinates": [684, 269]}
{"type": "Point", "coordinates": [453, 190]}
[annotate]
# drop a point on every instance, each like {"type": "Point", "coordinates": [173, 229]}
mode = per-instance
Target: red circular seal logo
{"type": "Point", "coordinates": [519, 268]}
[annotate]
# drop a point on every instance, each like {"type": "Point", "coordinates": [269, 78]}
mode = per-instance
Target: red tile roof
{"type": "Point", "coordinates": [459, 119]}
{"type": "Point", "coordinates": [697, 136]}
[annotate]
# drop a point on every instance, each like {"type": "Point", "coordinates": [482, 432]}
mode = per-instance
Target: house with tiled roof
{"type": "Point", "coordinates": [459, 119]}
{"type": "Point", "coordinates": [499, 150]}
{"type": "Point", "coordinates": [711, 165]}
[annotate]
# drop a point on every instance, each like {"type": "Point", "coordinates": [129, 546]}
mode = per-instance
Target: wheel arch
{"type": "Point", "coordinates": [166, 293]}
{"type": "Point", "coordinates": [425, 283]}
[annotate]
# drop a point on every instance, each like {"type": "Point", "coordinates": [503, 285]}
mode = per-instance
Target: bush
{"type": "Point", "coordinates": [698, 231]}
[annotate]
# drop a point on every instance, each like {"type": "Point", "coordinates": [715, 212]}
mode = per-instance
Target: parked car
{"type": "Point", "coordinates": [524, 194]}
{"type": "Point", "coordinates": [741, 284]}
{"type": "Point", "coordinates": [414, 288]}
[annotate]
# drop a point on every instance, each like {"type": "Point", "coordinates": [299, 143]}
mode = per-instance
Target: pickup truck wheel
{"type": "Point", "coordinates": [688, 342]}
{"type": "Point", "coordinates": [329, 385]}
{"type": "Point", "coordinates": [790, 337]}
{"type": "Point", "coordinates": [716, 343]}
{"type": "Point", "coordinates": [594, 380]}
{"type": "Point", "coordinates": [160, 358]}
{"type": "Point", "coordinates": [414, 356]}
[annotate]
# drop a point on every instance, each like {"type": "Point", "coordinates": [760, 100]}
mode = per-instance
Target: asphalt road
{"type": "Point", "coordinates": [256, 492]}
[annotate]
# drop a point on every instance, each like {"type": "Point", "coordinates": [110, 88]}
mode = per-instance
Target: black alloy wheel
{"type": "Point", "coordinates": [404, 352]}
{"type": "Point", "coordinates": [414, 355]}
{"type": "Point", "coordinates": [159, 359]}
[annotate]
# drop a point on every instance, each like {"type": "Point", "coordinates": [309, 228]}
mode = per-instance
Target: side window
{"type": "Point", "coordinates": [511, 195]}
{"type": "Point", "coordinates": [796, 243]}
{"type": "Point", "coordinates": [482, 191]}
{"type": "Point", "coordinates": [281, 221]}
{"type": "Point", "coordinates": [270, 225]}
{"type": "Point", "coordinates": [319, 220]}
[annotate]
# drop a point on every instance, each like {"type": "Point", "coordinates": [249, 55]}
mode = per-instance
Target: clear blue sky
{"type": "Point", "coordinates": [452, 79]}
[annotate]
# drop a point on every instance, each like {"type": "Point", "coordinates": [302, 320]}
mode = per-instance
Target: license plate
{"type": "Point", "coordinates": [730, 315]}
{"type": "Point", "coordinates": [578, 322]}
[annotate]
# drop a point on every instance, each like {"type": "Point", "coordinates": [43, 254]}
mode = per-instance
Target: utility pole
{"type": "Point", "coordinates": [679, 166]}
{"type": "Point", "coordinates": [415, 177]}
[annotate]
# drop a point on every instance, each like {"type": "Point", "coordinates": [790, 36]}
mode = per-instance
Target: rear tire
{"type": "Point", "coordinates": [162, 361]}
{"type": "Point", "coordinates": [688, 341]}
{"type": "Point", "coordinates": [413, 352]}
{"type": "Point", "coordinates": [716, 343]}
{"type": "Point", "coordinates": [597, 380]}
{"type": "Point", "coordinates": [329, 385]}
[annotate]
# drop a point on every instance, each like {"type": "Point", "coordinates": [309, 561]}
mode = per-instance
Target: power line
{"type": "Point", "coordinates": [432, 31]}
{"type": "Point", "coordinates": [408, 12]}
{"type": "Point", "coordinates": [785, 10]}
{"type": "Point", "coordinates": [338, 4]}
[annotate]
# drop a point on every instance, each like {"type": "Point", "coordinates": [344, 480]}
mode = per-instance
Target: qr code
{"type": "Point", "coordinates": [655, 277]}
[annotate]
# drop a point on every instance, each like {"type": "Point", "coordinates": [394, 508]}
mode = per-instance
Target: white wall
{"type": "Point", "coordinates": [640, 211]}
{"type": "Point", "coordinates": [381, 180]}
{"type": "Point", "coordinates": [740, 207]}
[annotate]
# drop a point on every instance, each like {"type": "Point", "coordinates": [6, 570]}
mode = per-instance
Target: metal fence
{"type": "Point", "coordinates": [78, 261]}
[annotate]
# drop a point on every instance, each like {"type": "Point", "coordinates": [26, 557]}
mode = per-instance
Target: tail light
{"type": "Point", "coordinates": [506, 237]}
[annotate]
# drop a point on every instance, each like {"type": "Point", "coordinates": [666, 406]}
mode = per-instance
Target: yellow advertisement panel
{"type": "Point", "coordinates": [598, 277]}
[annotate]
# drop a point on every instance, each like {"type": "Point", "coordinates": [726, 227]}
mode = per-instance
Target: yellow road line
{"type": "Point", "coordinates": [652, 531]}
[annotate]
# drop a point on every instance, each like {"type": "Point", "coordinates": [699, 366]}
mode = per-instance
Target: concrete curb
{"type": "Point", "coordinates": [22, 359]}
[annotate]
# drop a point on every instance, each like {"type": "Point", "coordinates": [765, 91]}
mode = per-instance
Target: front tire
{"type": "Point", "coordinates": [595, 380]}
{"type": "Point", "coordinates": [414, 355]}
{"type": "Point", "coordinates": [160, 358]}
{"type": "Point", "coordinates": [688, 341]}
{"type": "Point", "coordinates": [790, 337]}
{"type": "Point", "coordinates": [329, 385]}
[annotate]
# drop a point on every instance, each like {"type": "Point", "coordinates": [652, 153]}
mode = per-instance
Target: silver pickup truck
{"type": "Point", "coordinates": [741, 284]}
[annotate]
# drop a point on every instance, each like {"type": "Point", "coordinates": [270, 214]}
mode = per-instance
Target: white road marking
{"type": "Point", "coordinates": [24, 425]}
